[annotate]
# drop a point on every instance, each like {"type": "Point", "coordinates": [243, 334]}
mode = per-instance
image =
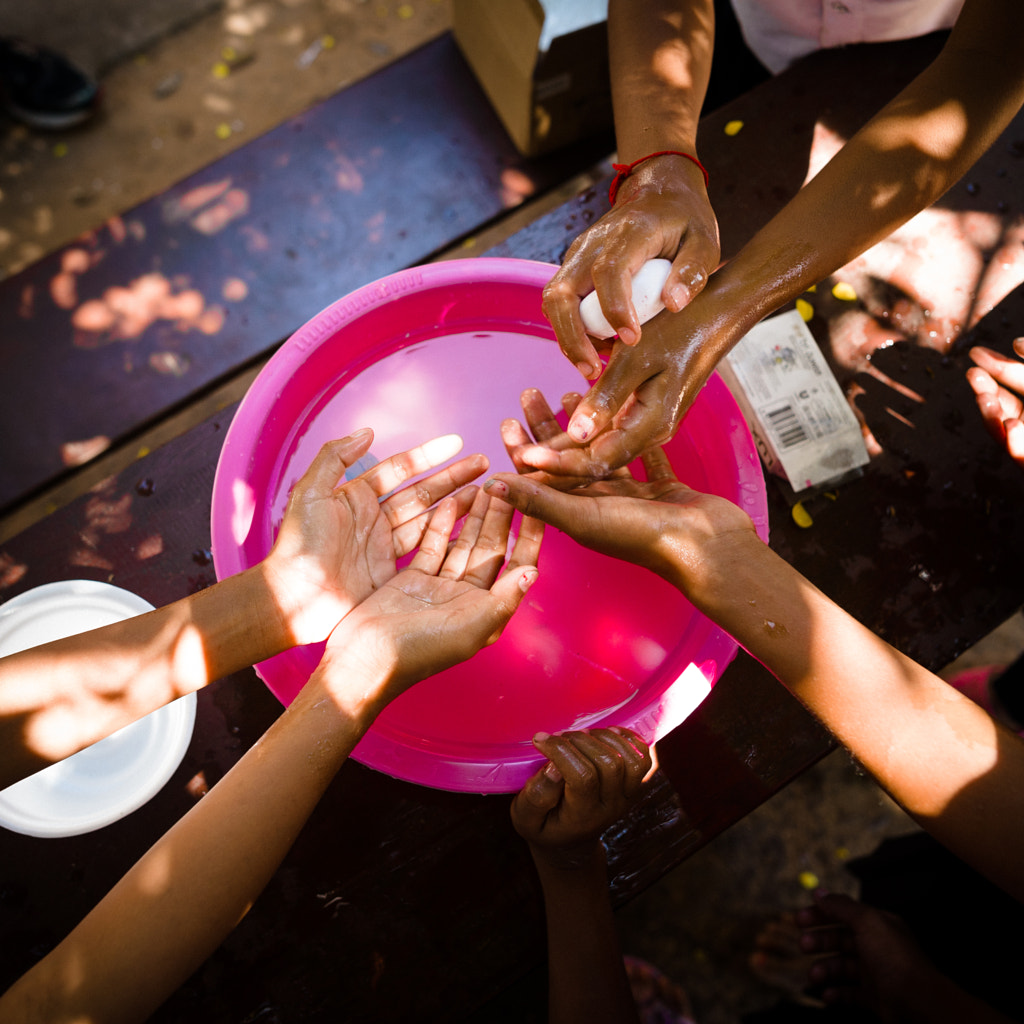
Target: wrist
{"type": "Point", "coordinates": [658, 172]}
{"type": "Point", "coordinates": [579, 861]}
{"type": "Point", "coordinates": [709, 571]}
{"type": "Point", "coordinates": [305, 611]}
{"type": "Point", "coordinates": [359, 682]}
{"type": "Point", "coordinates": [255, 603]}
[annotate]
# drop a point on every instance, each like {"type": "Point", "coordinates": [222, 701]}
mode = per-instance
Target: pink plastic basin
{"type": "Point", "coordinates": [448, 348]}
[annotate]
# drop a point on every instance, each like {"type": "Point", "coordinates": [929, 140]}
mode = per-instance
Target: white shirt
{"type": "Point", "coordinates": [781, 31]}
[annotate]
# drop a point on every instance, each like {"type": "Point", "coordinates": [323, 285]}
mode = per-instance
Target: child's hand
{"type": "Point", "coordinates": [998, 385]}
{"type": "Point", "coordinates": [657, 522]}
{"type": "Point", "coordinates": [590, 780]}
{"type": "Point", "coordinates": [442, 609]}
{"type": "Point", "coordinates": [338, 543]}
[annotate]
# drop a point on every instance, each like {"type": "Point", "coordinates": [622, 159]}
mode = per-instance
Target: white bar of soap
{"type": "Point", "coordinates": [648, 283]}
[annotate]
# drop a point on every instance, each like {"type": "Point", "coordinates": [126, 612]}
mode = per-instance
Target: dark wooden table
{"type": "Point", "coordinates": [403, 903]}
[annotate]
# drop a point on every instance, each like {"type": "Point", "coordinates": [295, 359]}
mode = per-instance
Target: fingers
{"type": "Point", "coordinates": [1007, 372]}
{"type": "Point", "coordinates": [537, 799]}
{"type": "Point", "coordinates": [526, 551]}
{"type": "Point", "coordinates": [539, 417]}
{"type": "Point", "coordinates": [433, 548]}
{"type": "Point", "coordinates": [613, 282]}
{"type": "Point", "coordinates": [476, 556]}
{"type": "Point", "coordinates": [408, 536]}
{"type": "Point", "coordinates": [478, 553]}
{"type": "Point", "coordinates": [986, 396]}
{"type": "Point", "coordinates": [410, 502]}
{"type": "Point", "coordinates": [390, 473]}
{"type": "Point", "coordinates": [561, 305]}
{"type": "Point", "coordinates": [1015, 439]}
{"type": "Point", "coordinates": [657, 466]}
{"type": "Point", "coordinates": [691, 268]}
{"type": "Point", "coordinates": [333, 459]}
{"type": "Point", "coordinates": [630, 372]}
{"type": "Point", "coordinates": [605, 767]}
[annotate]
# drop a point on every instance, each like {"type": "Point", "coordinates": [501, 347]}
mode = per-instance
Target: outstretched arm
{"type": "Point", "coordinates": [943, 758]}
{"type": "Point", "coordinates": [177, 904]}
{"type": "Point", "coordinates": [900, 162]}
{"type": "Point", "coordinates": [336, 544]}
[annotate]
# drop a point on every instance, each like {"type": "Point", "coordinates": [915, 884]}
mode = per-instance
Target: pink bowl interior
{"type": "Point", "coordinates": [448, 348]}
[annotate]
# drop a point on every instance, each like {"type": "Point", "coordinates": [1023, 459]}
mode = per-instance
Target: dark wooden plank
{"type": "Point", "coordinates": [185, 288]}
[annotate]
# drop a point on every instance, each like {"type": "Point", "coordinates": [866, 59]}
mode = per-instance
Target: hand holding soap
{"type": "Point", "coordinates": [648, 283]}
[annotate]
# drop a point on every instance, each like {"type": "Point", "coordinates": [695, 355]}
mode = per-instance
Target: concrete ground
{"type": "Point", "coordinates": [186, 82]}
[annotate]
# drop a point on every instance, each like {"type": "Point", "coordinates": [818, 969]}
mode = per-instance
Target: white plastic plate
{"type": "Point", "coordinates": [112, 778]}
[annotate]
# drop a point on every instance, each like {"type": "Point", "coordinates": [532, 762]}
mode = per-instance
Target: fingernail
{"type": "Point", "coordinates": [498, 487]}
{"type": "Point", "coordinates": [628, 336]}
{"type": "Point", "coordinates": [679, 295]}
{"type": "Point", "coordinates": [361, 432]}
{"type": "Point", "coordinates": [581, 427]}
{"type": "Point", "coordinates": [527, 580]}
{"type": "Point", "coordinates": [586, 369]}
{"type": "Point", "coordinates": [552, 772]}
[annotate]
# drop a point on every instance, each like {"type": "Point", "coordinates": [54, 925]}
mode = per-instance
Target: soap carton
{"type": "Point", "coordinates": [802, 423]}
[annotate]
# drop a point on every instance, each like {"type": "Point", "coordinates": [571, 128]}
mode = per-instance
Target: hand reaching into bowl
{"type": "Point", "coordinates": [340, 538]}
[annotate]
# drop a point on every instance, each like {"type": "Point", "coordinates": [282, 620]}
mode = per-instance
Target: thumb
{"type": "Point", "coordinates": [507, 593]}
{"type": "Point", "coordinates": [626, 371]}
{"type": "Point", "coordinates": [329, 466]}
{"type": "Point", "coordinates": [537, 799]}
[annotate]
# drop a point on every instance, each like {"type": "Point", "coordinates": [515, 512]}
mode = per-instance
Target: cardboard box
{"type": "Point", "coordinates": [802, 423]}
{"type": "Point", "coordinates": [542, 63]}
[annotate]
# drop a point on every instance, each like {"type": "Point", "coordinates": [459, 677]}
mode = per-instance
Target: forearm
{"type": "Point", "coordinates": [660, 57]}
{"type": "Point", "coordinates": [587, 979]}
{"type": "Point", "coordinates": [935, 751]}
{"type": "Point", "coordinates": [178, 903]}
{"type": "Point", "coordinates": [60, 697]}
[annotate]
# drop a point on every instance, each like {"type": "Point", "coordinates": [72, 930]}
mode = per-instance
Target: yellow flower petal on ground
{"type": "Point", "coordinates": [805, 309]}
{"type": "Point", "coordinates": [809, 880]}
{"type": "Point", "coordinates": [801, 516]}
{"type": "Point", "coordinates": [844, 291]}
{"type": "Point", "coordinates": [733, 127]}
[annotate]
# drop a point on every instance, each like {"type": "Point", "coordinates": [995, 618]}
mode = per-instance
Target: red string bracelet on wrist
{"type": "Point", "coordinates": [625, 170]}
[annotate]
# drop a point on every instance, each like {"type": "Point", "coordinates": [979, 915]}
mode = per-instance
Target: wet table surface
{"type": "Point", "coordinates": [400, 902]}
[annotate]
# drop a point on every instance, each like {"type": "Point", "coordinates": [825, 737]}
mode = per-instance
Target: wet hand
{"type": "Point", "coordinates": [339, 539]}
{"type": "Point", "coordinates": [454, 598]}
{"type": "Point", "coordinates": [590, 780]}
{"type": "Point", "coordinates": [637, 403]}
{"type": "Point", "coordinates": [657, 522]}
{"type": "Point", "coordinates": [661, 210]}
